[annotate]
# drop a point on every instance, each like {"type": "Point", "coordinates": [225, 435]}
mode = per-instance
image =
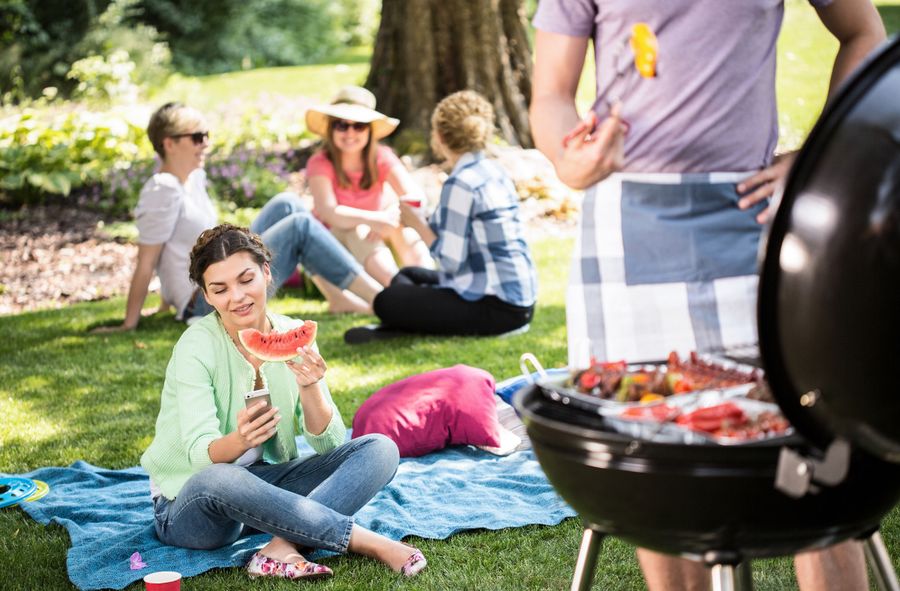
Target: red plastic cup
{"type": "Point", "coordinates": [166, 580]}
{"type": "Point", "coordinates": [411, 201]}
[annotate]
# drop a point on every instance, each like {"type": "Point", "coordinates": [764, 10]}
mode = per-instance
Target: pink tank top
{"type": "Point", "coordinates": [370, 199]}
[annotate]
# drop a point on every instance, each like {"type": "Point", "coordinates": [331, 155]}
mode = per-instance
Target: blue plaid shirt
{"type": "Point", "coordinates": [480, 248]}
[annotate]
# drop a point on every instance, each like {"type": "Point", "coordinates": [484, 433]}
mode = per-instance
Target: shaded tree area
{"type": "Point", "coordinates": [208, 36]}
{"type": "Point", "coordinates": [427, 49]}
{"type": "Point", "coordinates": [40, 40]}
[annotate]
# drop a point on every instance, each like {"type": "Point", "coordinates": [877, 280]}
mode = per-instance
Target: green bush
{"type": "Point", "coordinates": [115, 33]}
{"type": "Point", "coordinates": [255, 149]}
{"type": "Point", "coordinates": [358, 21]}
{"type": "Point", "coordinates": [245, 176]}
{"type": "Point", "coordinates": [42, 39]}
{"type": "Point", "coordinates": [118, 191]}
{"type": "Point", "coordinates": [53, 150]}
{"type": "Point", "coordinates": [104, 79]}
{"type": "Point", "coordinates": [100, 158]}
{"type": "Point", "coordinates": [40, 42]}
{"type": "Point", "coordinates": [213, 36]}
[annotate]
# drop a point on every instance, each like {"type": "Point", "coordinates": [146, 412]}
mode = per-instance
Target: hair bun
{"type": "Point", "coordinates": [476, 127]}
{"type": "Point", "coordinates": [464, 121]}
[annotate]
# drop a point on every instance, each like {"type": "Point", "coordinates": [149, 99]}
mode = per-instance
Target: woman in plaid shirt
{"type": "Point", "coordinates": [486, 282]}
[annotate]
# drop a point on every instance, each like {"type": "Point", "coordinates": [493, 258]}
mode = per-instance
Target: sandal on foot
{"type": "Point", "coordinates": [414, 564]}
{"type": "Point", "coordinates": [263, 566]}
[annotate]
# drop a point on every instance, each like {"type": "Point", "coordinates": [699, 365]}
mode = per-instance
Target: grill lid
{"type": "Point", "coordinates": [829, 299]}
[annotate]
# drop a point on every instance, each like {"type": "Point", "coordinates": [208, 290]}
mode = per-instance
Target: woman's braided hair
{"type": "Point", "coordinates": [219, 243]}
{"type": "Point", "coordinates": [464, 120]}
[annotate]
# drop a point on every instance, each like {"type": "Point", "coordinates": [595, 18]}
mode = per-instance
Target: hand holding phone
{"type": "Point", "coordinates": [252, 400]}
{"type": "Point", "coordinates": [259, 408]}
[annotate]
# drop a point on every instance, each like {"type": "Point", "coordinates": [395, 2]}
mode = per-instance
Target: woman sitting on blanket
{"type": "Point", "coordinates": [173, 208]}
{"type": "Point", "coordinates": [486, 284]}
{"type": "Point", "coordinates": [348, 179]}
{"type": "Point", "coordinates": [217, 467]}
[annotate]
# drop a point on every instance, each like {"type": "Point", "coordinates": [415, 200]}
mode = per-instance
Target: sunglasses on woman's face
{"type": "Point", "coordinates": [341, 125]}
{"type": "Point", "coordinates": [198, 137]}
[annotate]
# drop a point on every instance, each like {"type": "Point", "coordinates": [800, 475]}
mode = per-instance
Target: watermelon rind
{"type": "Point", "coordinates": [278, 346]}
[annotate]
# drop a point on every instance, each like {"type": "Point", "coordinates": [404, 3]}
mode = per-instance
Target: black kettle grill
{"type": "Point", "coordinates": [829, 330]}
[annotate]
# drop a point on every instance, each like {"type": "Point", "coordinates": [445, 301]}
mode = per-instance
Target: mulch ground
{"type": "Point", "coordinates": [55, 256]}
{"type": "Point", "coordinates": [52, 257]}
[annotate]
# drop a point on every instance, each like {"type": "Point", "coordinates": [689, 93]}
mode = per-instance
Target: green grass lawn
{"type": "Point", "coordinates": [320, 82]}
{"type": "Point", "coordinates": [66, 395]}
{"type": "Point", "coordinates": [806, 51]}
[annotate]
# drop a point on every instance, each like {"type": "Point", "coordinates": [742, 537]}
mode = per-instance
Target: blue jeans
{"type": "Point", "coordinates": [307, 501]}
{"type": "Point", "coordinates": [294, 237]}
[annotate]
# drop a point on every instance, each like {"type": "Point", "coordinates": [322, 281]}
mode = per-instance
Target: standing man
{"type": "Point", "coordinates": [677, 178]}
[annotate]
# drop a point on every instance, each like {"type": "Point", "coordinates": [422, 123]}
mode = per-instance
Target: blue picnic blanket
{"type": "Point", "coordinates": [109, 515]}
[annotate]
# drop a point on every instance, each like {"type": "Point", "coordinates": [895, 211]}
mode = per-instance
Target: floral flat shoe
{"type": "Point", "coordinates": [414, 564]}
{"type": "Point", "coordinates": [263, 566]}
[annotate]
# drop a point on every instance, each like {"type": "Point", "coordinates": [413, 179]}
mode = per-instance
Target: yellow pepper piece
{"type": "Point", "coordinates": [651, 397]}
{"type": "Point", "coordinates": [645, 48]}
{"type": "Point", "coordinates": [639, 378]}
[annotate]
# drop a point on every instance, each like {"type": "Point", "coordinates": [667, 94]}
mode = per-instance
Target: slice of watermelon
{"type": "Point", "coordinates": [278, 346]}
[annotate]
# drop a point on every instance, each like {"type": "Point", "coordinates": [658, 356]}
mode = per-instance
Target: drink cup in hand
{"type": "Point", "coordinates": [412, 201]}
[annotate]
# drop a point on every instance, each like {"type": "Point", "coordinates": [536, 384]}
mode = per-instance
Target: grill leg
{"type": "Point", "coordinates": [880, 562]}
{"type": "Point", "coordinates": [587, 559]}
{"type": "Point", "coordinates": [723, 577]}
{"type": "Point", "coordinates": [745, 576]}
{"type": "Point", "coordinates": [728, 577]}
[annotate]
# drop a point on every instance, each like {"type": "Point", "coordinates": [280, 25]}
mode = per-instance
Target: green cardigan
{"type": "Point", "coordinates": [206, 380]}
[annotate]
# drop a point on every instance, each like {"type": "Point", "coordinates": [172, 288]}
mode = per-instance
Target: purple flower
{"type": "Point", "coordinates": [136, 562]}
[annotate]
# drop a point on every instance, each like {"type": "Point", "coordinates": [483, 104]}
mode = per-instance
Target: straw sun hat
{"type": "Point", "coordinates": [352, 103]}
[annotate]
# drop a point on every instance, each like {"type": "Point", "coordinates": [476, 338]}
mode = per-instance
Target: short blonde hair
{"type": "Point", "coordinates": [172, 119]}
{"type": "Point", "coordinates": [464, 121]}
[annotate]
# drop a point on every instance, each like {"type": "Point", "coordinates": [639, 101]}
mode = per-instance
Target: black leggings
{"type": "Point", "coordinates": [413, 303]}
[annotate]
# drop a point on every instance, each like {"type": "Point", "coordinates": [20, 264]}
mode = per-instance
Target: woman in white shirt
{"type": "Point", "coordinates": [174, 208]}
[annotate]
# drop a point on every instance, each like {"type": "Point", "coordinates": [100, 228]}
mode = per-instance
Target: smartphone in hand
{"type": "Point", "coordinates": [253, 398]}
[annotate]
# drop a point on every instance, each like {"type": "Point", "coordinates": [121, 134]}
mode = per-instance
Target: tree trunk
{"type": "Point", "coordinates": [427, 49]}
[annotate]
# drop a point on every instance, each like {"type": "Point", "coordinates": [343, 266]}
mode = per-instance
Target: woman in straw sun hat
{"type": "Point", "coordinates": [347, 179]}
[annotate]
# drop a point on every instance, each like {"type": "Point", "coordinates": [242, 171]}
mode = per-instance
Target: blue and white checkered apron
{"type": "Point", "coordinates": [663, 262]}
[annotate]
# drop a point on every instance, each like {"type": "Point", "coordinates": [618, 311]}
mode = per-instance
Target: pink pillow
{"type": "Point", "coordinates": [432, 410]}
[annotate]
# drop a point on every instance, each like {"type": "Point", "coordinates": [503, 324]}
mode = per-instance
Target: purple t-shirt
{"type": "Point", "coordinates": [711, 106]}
